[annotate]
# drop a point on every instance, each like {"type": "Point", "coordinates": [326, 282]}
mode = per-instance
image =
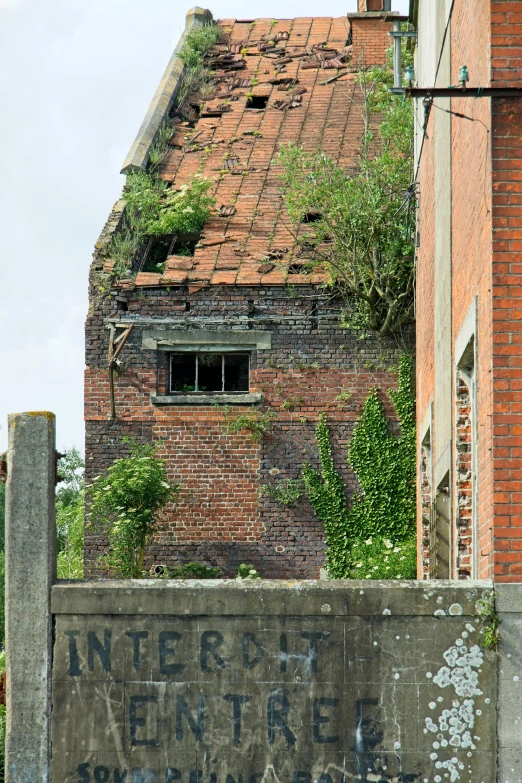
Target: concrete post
{"type": "Point", "coordinates": [30, 572]}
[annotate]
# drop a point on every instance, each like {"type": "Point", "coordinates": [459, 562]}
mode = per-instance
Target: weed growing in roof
{"type": "Point", "coordinates": [197, 44]}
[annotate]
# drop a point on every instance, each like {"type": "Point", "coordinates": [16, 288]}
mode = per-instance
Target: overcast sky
{"type": "Point", "coordinates": [77, 78]}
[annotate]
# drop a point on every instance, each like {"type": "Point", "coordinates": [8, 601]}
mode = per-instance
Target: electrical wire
{"type": "Point", "coordinates": [443, 44]}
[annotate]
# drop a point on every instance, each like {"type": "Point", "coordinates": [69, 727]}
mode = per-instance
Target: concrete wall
{"type": "Point", "coordinates": [338, 682]}
{"type": "Point", "coordinates": [509, 607]}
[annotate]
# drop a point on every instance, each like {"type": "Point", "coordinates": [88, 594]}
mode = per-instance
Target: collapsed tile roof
{"type": "Point", "coordinates": [305, 67]}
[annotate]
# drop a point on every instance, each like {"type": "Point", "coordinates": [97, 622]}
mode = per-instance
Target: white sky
{"type": "Point", "coordinates": [77, 78]}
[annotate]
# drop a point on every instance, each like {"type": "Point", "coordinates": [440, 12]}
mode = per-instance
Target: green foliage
{"type": "Point", "coordinates": [3, 729]}
{"type": "Point", "coordinates": [490, 621]}
{"type": "Point", "coordinates": [2, 602]}
{"type": "Point", "coordinates": [292, 402]}
{"type": "Point", "coordinates": [70, 515]}
{"type": "Point", "coordinates": [287, 493]}
{"type": "Point", "coordinates": [247, 571]}
{"type": "Point", "coordinates": [364, 234]}
{"type": "Point", "coordinates": [380, 558]}
{"type": "Point", "coordinates": [197, 44]}
{"type": "Point", "coordinates": [381, 518]}
{"type": "Point", "coordinates": [125, 503]}
{"type": "Point", "coordinates": [343, 397]}
{"type": "Point", "coordinates": [2, 516]}
{"type": "Point", "coordinates": [254, 422]}
{"type": "Point", "coordinates": [192, 571]}
{"type": "Point", "coordinates": [69, 528]}
{"type": "Point", "coordinates": [186, 210]}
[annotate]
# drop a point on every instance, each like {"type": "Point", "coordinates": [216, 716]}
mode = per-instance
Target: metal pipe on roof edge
{"type": "Point", "coordinates": [138, 155]}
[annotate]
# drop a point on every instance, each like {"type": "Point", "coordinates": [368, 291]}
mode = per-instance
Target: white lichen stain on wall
{"type": "Point", "coordinates": [454, 727]}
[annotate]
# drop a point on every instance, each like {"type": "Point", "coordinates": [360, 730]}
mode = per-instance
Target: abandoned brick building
{"type": "Point", "coordinates": [237, 321]}
{"type": "Point", "coordinates": [469, 287]}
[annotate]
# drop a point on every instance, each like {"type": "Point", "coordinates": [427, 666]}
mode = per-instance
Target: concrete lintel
{"type": "Point", "coordinates": [200, 338]}
{"type": "Point", "coordinates": [30, 571]}
{"type": "Point", "coordinates": [206, 399]}
{"type": "Point", "coordinates": [164, 97]}
{"type": "Point", "coordinates": [270, 598]}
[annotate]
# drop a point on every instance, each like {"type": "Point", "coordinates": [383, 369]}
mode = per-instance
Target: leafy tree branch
{"type": "Point", "coordinates": [364, 217]}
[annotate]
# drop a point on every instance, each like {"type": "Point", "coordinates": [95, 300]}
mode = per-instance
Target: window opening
{"type": "Point", "coordinates": [209, 372]}
{"type": "Point", "coordinates": [297, 269]}
{"type": "Point", "coordinates": [156, 254]}
{"type": "Point", "coordinates": [257, 102]}
{"type": "Point", "coordinates": [160, 248]}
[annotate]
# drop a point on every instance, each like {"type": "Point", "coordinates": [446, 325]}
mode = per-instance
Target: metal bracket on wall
{"type": "Point", "coordinates": [115, 346]}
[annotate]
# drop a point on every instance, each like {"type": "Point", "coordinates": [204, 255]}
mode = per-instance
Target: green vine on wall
{"type": "Point", "coordinates": [374, 538]}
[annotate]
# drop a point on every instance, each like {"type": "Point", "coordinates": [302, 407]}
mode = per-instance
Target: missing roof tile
{"type": "Point", "coordinates": [311, 217]}
{"type": "Point", "coordinates": [257, 102]}
{"type": "Point", "coordinates": [297, 269]}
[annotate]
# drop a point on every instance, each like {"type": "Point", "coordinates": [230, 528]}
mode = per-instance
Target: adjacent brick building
{"type": "Point", "coordinates": [241, 313]}
{"type": "Point", "coordinates": [469, 289]}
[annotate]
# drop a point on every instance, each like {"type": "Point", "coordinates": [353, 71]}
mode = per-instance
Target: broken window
{"type": "Point", "coordinates": [209, 372]}
{"type": "Point", "coordinates": [158, 249]}
{"type": "Point", "coordinates": [257, 102]}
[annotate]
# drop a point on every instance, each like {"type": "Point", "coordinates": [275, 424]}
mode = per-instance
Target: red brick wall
{"type": "Point", "coordinates": [471, 238]}
{"type": "Point", "coordinates": [220, 517]}
{"type": "Point", "coordinates": [370, 40]}
{"type": "Point", "coordinates": [486, 264]}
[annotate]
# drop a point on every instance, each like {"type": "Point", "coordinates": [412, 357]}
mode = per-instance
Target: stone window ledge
{"type": "Point", "coordinates": [206, 399]}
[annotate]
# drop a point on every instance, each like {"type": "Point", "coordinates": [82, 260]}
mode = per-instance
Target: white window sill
{"type": "Point", "coordinates": [207, 399]}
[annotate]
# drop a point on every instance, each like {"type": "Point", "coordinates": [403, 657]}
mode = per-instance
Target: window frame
{"type": "Point", "coordinates": [197, 354]}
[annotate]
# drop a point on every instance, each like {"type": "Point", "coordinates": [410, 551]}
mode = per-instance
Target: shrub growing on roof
{"type": "Point", "coordinates": [365, 217]}
{"type": "Point", "coordinates": [184, 211]}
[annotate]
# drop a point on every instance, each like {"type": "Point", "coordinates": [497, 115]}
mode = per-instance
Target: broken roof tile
{"type": "Point", "coordinates": [286, 60]}
{"type": "Point", "coordinates": [147, 278]}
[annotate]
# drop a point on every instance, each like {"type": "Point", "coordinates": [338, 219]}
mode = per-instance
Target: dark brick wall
{"type": "Point", "coordinates": [220, 518]}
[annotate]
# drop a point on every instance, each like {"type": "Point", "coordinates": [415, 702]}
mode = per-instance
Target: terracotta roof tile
{"type": "Point", "coordinates": [237, 149]}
